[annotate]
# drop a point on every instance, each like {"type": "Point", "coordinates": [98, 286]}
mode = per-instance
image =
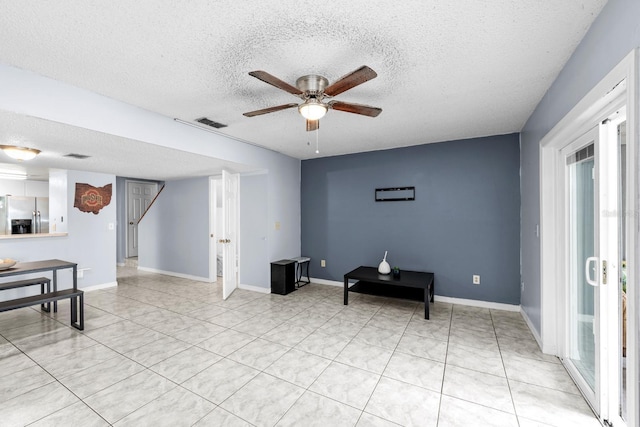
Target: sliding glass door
{"type": "Point", "coordinates": [594, 253]}
{"type": "Point", "coordinates": [581, 238]}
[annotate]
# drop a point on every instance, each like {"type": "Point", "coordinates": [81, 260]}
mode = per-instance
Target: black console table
{"type": "Point", "coordinates": [410, 279]}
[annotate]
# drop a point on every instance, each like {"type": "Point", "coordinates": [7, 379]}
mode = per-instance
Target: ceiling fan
{"type": "Point", "coordinates": [314, 90]}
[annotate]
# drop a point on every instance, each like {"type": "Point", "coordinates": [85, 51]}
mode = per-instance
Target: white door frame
{"type": "Point", "coordinates": [563, 242]}
{"type": "Point", "coordinates": [620, 85]}
{"type": "Point", "coordinates": [213, 221]}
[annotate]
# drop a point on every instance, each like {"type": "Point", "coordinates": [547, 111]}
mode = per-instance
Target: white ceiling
{"type": "Point", "coordinates": [107, 153]}
{"type": "Point", "coordinates": [446, 69]}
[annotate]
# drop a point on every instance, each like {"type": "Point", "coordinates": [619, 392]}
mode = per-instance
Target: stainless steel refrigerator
{"type": "Point", "coordinates": [22, 215]}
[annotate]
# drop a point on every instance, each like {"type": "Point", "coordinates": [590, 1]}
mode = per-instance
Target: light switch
{"type": "Point", "coordinates": [111, 226]}
{"type": "Point", "coordinates": [277, 225]}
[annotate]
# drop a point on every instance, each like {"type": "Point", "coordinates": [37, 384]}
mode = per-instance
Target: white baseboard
{"type": "Point", "coordinates": [121, 264]}
{"type": "Point", "coordinates": [174, 274]}
{"type": "Point", "coordinates": [327, 282]}
{"type": "Point", "coordinates": [533, 330]}
{"type": "Point", "coordinates": [477, 303]}
{"type": "Point", "coordinates": [450, 300]}
{"type": "Point", "coordinates": [98, 287]}
{"type": "Point", "coordinates": [255, 288]}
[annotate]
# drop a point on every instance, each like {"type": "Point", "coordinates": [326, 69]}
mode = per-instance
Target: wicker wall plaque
{"type": "Point", "coordinates": [91, 199]}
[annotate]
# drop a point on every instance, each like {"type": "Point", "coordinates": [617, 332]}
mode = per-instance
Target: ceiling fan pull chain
{"type": "Point", "coordinates": [317, 133]}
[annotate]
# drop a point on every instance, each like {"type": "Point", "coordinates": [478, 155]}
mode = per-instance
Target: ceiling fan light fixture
{"type": "Point", "coordinates": [312, 109]}
{"type": "Point", "coordinates": [19, 153]}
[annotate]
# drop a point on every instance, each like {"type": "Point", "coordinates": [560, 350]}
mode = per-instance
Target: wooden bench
{"type": "Point", "coordinates": [42, 281]}
{"type": "Point", "coordinates": [76, 297]}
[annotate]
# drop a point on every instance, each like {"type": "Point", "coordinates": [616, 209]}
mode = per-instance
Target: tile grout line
{"type": "Point", "coordinates": [444, 370]}
{"type": "Point", "coordinates": [513, 402]}
{"type": "Point", "coordinates": [59, 382]}
{"type": "Point", "coordinates": [250, 306]}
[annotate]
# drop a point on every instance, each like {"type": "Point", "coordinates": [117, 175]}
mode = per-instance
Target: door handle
{"type": "Point", "coordinates": [587, 276]}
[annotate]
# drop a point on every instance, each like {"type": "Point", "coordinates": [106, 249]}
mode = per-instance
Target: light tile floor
{"type": "Point", "coordinates": [159, 350]}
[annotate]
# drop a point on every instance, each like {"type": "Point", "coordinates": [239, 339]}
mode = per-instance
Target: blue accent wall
{"type": "Point", "coordinates": [465, 219]}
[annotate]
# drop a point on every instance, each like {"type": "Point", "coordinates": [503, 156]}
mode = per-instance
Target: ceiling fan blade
{"type": "Point", "coordinates": [348, 107]}
{"type": "Point", "coordinates": [351, 80]}
{"type": "Point", "coordinates": [269, 110]}
{"type": "Point", "coordinates": [313, 125]}
{"type": "Point", "coordinates": [274, 81]}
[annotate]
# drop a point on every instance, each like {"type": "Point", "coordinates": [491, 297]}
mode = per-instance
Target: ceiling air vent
{"type": "Point", "coordinates": [77, 156]}
{"type": "Point", "coordinates": [211, 123]}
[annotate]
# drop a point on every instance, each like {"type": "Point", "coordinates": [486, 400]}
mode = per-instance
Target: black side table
{"type": "Point", "coordinates": [283, 276]}
{"type": "Point", "coordinates": [302, 262]}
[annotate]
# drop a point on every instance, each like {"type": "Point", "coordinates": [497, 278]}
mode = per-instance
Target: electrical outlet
{"type": "Point", "coordinates": [277, 227]}
{"type": "Point", "coordinates": [476, 279]}
{"type": "Point", "coordinates": [521, 287]}
{"type": "Point", "coordinates": [323, 263]}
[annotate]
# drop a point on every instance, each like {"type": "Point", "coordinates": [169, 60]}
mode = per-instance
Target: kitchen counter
{"type": "Point", "coordinates": [31, 235]}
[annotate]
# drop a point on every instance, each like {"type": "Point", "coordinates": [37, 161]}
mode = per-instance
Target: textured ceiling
{"type": "Point", "coordinates": [446, 69]}
{"type": "Point", "coordinates": [131, 158]}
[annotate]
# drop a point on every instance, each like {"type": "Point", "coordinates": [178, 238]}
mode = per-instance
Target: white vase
{"type": "Point", "coordinates": [384, 267]}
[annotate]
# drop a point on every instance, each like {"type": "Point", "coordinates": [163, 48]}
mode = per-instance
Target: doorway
{"type": "Point", "coordinates": [140, 194]}
{"type": "Point", "coordinates": [594, 247]}
{"type": "Point", "coordinates": [588, 242]}
{"type": "Point", "coordinates": [224, 230]}
{"type": "Point", "coordinates": [580, 249]}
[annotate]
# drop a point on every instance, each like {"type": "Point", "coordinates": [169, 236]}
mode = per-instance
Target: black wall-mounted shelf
{"type": "Point", "coordinates": [395, 194]}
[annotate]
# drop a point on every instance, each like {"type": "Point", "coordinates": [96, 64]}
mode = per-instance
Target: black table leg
{"type": "Point", "coordinates": [346, 291]}
{"type": "Point", "coordinates": [426, 302]}
{"type": "Point", "coordinates": [55, 289]}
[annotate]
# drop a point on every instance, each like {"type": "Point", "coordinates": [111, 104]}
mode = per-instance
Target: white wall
{"type": "Point", "coordinates": [58, 206]}
{"type": "Point", "coordinates": [89, 243]}
{"type": "Point", "coordinates": [27, 93]}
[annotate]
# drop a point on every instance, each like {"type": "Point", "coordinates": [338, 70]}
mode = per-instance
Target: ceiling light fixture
{"type": "Point", "coordinates": [19, 153]}
{"type": "Point", "coordinates": [312, 109]}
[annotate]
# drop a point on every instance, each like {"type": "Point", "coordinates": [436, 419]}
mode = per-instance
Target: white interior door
{"type": "Point", "coordinates": [230, 199]}
{"type": "Point", "coordinates": [213, 235]}
{"type": "Point", "coordinates": [139, 197]}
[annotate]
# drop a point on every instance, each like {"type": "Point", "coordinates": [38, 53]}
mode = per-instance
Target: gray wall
{"type": "Point", "coordinates": [174, 234]}
{"type": "Point", "coordinates": [465, 219]}
{"type": "Point", "coordinates": [254, 230]}
{"type": "Point", "coordinates": [611, 37]}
